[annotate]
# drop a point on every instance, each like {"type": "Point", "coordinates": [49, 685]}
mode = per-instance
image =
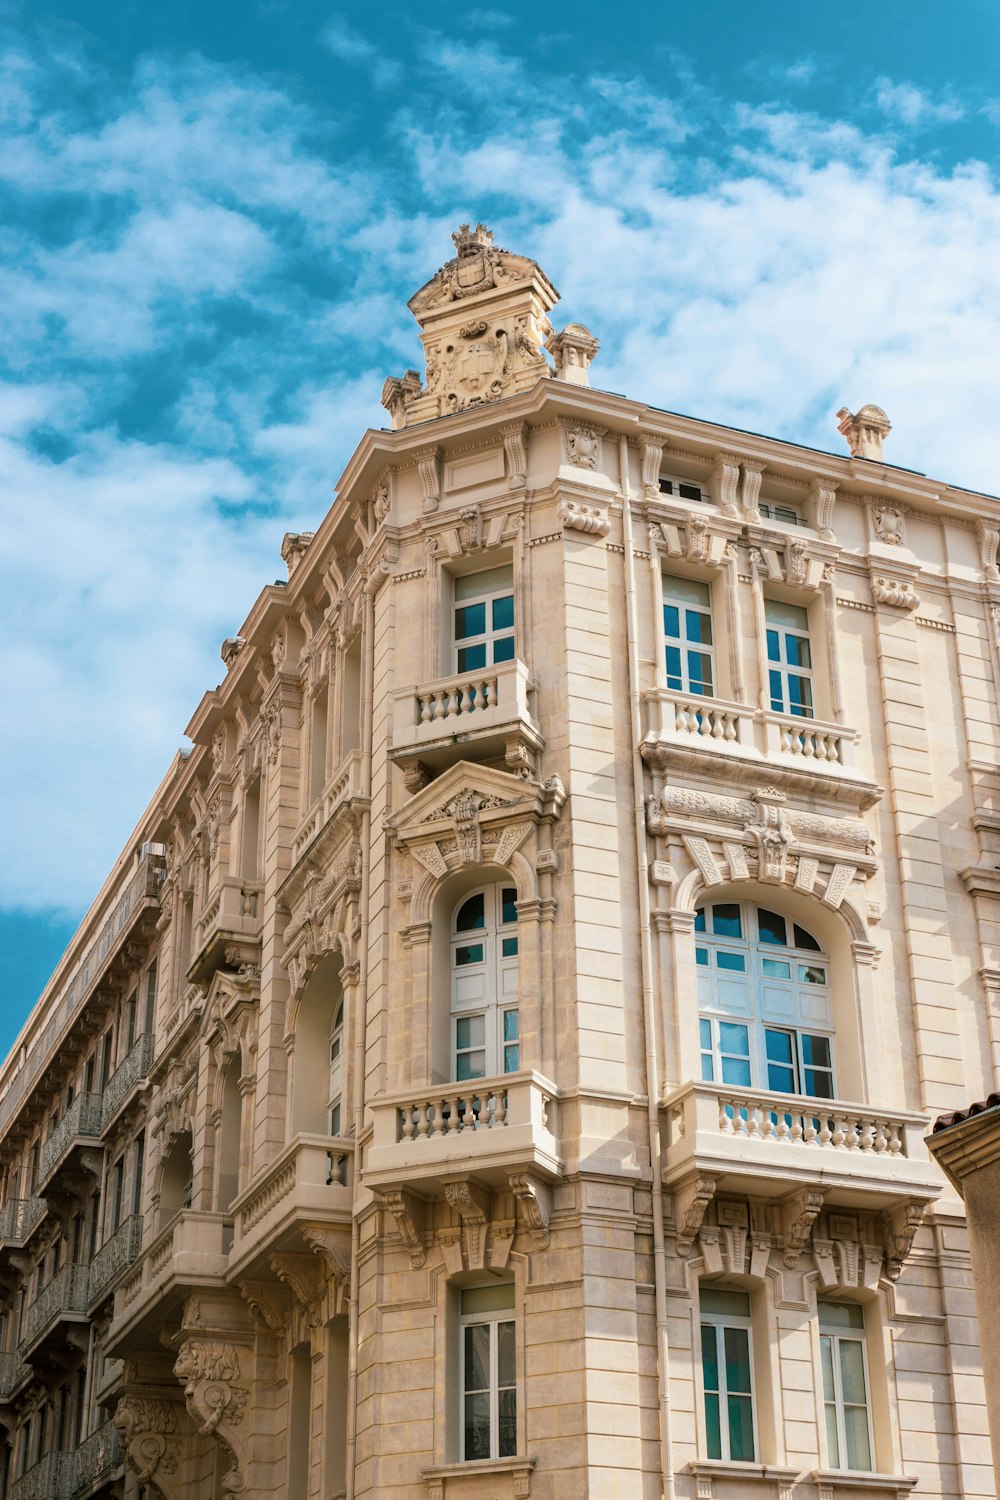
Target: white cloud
{"type": "Point", "coordinates": [351, 47]}
{"type": "Point", "coordinates": [912, 106]}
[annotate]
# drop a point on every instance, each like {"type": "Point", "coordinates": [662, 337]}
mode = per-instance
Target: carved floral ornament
{"type": "Point", "coordinates": [759, 837]}
{"type": "Point", "coordinates": [583, 446]}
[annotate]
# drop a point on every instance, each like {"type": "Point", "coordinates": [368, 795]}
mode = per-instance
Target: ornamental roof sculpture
{"type": "Point", "coordinates": [864, 431]}
{"type": "Point", "coordinates": [484, 326]}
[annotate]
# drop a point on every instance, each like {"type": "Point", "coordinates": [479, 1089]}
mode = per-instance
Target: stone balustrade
{"type": "Point", "coordinates": [750, 1134]}
{"type": "Point", "coordinates": [824, 745]}
{"type": "Point", "coordinates": [193, 1250]}
{"type": "Point", "coordinates": [115, 1256]}
{"type": "Point", "coordinates": [134, 1066]}
{"type": "Point", "coordinates": [494, 702]}
{"type": "Point", "coordinates": [68, 1292]}
{"type": "Point", "coordinates": [344, 785]}
{"type": "Point", "coordinates": [489, 1125]}
{"type": "Point", "coordinates": [19, 1217]}
{"type": "Point", "coordinates": [310, 1182]}
{"type": "Point", "coordinates": [82, 1121]}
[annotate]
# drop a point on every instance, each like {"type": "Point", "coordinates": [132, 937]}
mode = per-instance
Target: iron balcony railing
{"type": "Point", "coordinates": [13, 1371]}
{"type": "Point", "coordinates": [52, 1479]}
{"type": "Point", "coordinates": [115, 1256]}
{"type": "Point", "coordinates": [141, 886]}
{"type": "Point", "coordinates": [18, 1218]}
{"type": "Point", "coordinates": [137, 1063]}
{"type": "Point", "coordinates": [83, 1118]}
{"type": "Point", "coordinates": [67, 1292]}
{"type": "Point", "coordinates": [97, 1456]}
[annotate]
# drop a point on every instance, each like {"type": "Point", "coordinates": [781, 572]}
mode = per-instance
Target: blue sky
{"type": "Point", "coordinates": [211, 217]}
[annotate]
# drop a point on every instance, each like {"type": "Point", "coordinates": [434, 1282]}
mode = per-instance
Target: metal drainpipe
{"type": "Point", "coordinates": [646, 957]}
{"type": "Point", "coordinates": [372, 585]}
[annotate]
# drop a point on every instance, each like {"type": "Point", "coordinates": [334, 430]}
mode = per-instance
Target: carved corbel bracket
{"type": "Point", "coordinates": [301, 1274]}
{"type": "Point", "coordinates": [590, 519]}
{"type": "Point", "coordinates": [901, 1225]}
{"type": "Point", "coordinates": [428, 462]}
{"type": "Point", "coordinates": [472, 1204]}
{"type": "Point", "coordinates": [408, 1215]}
{"type": "Point", "coordinates": [268, 1303]}
{"type": "Point", "coordinates": [727, 479]}
{"type": "Point", "coordinates": [798, 1214]}
{"type": "Point", "coordinates": [217, 1395]}
{"type": "Point", "coordinates": [531, 1199]}
{"type": "Point", "coordinates": [651, 449]}
{"type": "Point", "coordinates": [691, 1199]}
{"type": "Point", "coordinates": [152, 1433]}
{"type": "Point", "coordinates": [515, 453]}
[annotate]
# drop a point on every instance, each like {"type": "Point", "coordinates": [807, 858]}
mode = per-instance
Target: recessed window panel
{"type": "Point", "coordinates": [508, 947]}
{"type": "Point", "coordinates": [469, 953]}
{"type": "Point", "coordinates": [701, 956]}
{"type": "Point", "coordinates": [733, 961]}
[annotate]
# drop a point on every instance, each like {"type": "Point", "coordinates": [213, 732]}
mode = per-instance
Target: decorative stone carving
{"type": "Point", "coordinates": [478, 265]}
{"type": "Point", "coordinates": [651, 448]}
{"type": "Point", "coordinates": [301, 1274]}
{"type": "Point", "coordinates": [753, 474]}
{"type": "Point", "coordinates": [515, 455]}
{"type": "Point", "coordinates": [864, 431]}
{"type": "Point", "coordinates": [294, 545]}
{"type": "Point", "coordinates": [799, 1215]}
{"type": "Point", "coordinates": [691, 1200]}
{"type": "Point", "coordinates": [583, 447]}
{"type": "Point", "coordinates": [587, 518]}
{"type": "Point", "coordinates": [215, 1393]}
{"type": "Point", "coordinates": [429, 469]}
{"type": "Point", "coordinates": [898, 593]}
{"type": "Point", "coordinates": [824, 495]}
{"type": "Point", "coordinates": [532, 1208]}
{"type": "Point", "coordinates": [268, 1304]}
{"type": "Point", "coordinates": [770, 832]}
{"type": "Point", "coordinates": [887, 523]}
{"type": "Point", "coordinates": [408, 1217]}
{"type": "Point", "coordinates": [727, 479]}
{"type": "Point", "coordinates": [382, 497]}
{"type": "Point", "coordinates": [573, 351]}
{"type": "Point", "coordinates": [901, 1225]}
{"type": "Point", "coordinates": [989, 548]}
{"type": "Point", "coordinates": [472, 1204]}
{"type": "Point", "coordinates": [150, 1431]}
{"type": "Point", "coordinates": [398, 394]}
{"type": "Point", "coordinates": [231, 648]}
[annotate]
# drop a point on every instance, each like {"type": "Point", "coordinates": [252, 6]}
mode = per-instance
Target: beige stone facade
{"type": "Point", "coordinates": [499, 1064]}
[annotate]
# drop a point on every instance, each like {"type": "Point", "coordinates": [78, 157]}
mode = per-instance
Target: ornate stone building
{"type": "Point", "coordinates": [499, 1063]}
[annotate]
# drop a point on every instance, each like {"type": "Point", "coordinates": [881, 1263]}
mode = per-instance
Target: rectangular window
{"type": "Point", "coordinates": [798, 1062]}
{"type": "Point", "coordinates": [771, 512]}
{"type": "Point", "coordinates": [725, 1364]}
{"type": "Point", "coordinates": [484, 619]}
{"type": "Point", "coordinates": [488, 1376]}
{"type": "Point", "coordinates": [687, 634]}
{"type": "Point", "coordinates": [845, 1385]}
{"type": "Point", "coordinates": [725, 1052]}
{"type": "Point", "coordinates": [680, 487]}
{"type": "Point", "coordinates": [789, 658]}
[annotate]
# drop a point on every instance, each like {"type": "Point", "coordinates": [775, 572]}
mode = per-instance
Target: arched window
{"type": "Point", "coordinates": [176, 1186]}
{"type": "Point", "coordinates": [484, 1022]}
{"type": "Point", "coordinates": [336, 1070]}
{"type": "Point", "coordinates": [766, 1016]}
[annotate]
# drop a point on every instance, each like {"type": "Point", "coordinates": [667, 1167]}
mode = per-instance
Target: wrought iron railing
{"type": "Point", "coordinates": [67, 1292]}
{"type": "Point", "coordinates": [52, 1479]}
{"type": "Point", "coordinates": [120, 1251]}
{"type": "Point", "coordinates": [13, 1371]}
{"type": "Point", "coordinates": [83, 1118]}
{"type": "Point", "coordinates": [136, 1064]}
{"type": "Point", "coordinates": [142, 885]}
{"type": "Point", "coordinates": [97, 1456]}
{"type": "Point", "coordinates": [19, 1217]}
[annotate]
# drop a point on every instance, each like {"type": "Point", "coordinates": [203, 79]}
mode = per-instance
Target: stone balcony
{"type": "Point", "coordinates": [766, 1145]}
{"type": "Point", "coordinates": [62, 1302]}
{"type": "Point", "coordinates": [19, 1218]}
{"type": "Point", "coordinates": [309, 1183]}
{"type": "Point", "coordinates": [79, 1126]}
{"type": "Point", "coordinates": [345, 785]}
{"type": "Point", "coordinates": [53, 1478]}
{"type": "Point", "coordinates": [685, 730]}
{"type": "Point", "coordinates": [114, 1258]}
{"type": "Point", "coordinates": [488, 1129]}
{"type": "Point", "coordinates": [230, 918]}
{"type": "Point", "coordinates": [127, 1078]}
{"type": "Point", "coordinates": [192, 1252]}
{"type": "Point", "coordinates": [481, 715]}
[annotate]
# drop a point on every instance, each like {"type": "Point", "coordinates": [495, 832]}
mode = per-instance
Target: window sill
{"type": "Point", "coordinates": [827, 1481]}
{"type": "Point", "coordinates": [706, 1470]}
{"type": "Point", "coordinates": [443, 1480]}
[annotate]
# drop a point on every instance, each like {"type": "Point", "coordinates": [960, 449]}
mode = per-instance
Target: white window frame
{"type": "Point", "coordinates": [494, 1318]}
{"type": "Point", "coordinates": [836, 1337]}
{"type": "Point", "coordinates": [783, 669]}
{"type": "Point", "coordinates": [754, 954]}
{"type": "Point", "coordinates": [674, 491]}
{"type": "Point", "coordinates": [681, 643]}
{"type": "Point", "coordinates": [490, 636]}
{"type": "Point", "coordinates": [719, 1321]}
{"type": "Point", "coordinates": [335, 1100]}
{"type": "Point", "coordinates": [498, 1014]}
{"type": "Point", "coordinates": [777, 510]}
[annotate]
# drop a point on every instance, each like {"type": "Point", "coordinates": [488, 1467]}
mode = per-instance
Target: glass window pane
{"type": "Point", "coordinates": [740, 1428]}
{"type": "Point", "coordinates": [818, 1085]}
{"type": "Point", "coordinates": [686, 591]}
{"type": "Point", "coordinates": [776, 612]}
{"type": "Point", "coordinates": [852, 1372]}
{"type": "Point", "coordinates": [470, 1031]}
{"type": "Point", "coordinates": [737, 1345]}
{"type": "Point", "coordinates": [471, 914]}
{"type": "Point", "coordinates": [811, 974]}
{"type": "Point", "coordinates": [797, 652]}
{"type": "Point", "coordinates": [698, 627]}
{"type": "Point", "coordinates": [777, 692]}
{"type": "Point", "coordinates": [734, 1039]}
{"type": "Point", "coordinates": [674, 680]}
{"type": "Point", "coordinates": [826, 1357]}
{"type": "Point", "coordinates": [495, 1297]}
{"type": "Point", "coordinates": [470, 1065]}
{"type": "Point", "coordinates": [503, 649]}
{"type": "Point", "coordinates": [477, 1356]}
{"type": "Point", "coordinates": [723, 1301]}
{"type": "Point", "coordinates": [508, 905]}
{"type": "Point", "coordinates": [780, 1080]}
{"type": "Point", "coordinates": [477, 1426]}
{"type": "Point", "coordinates": [701, 956]}
{"type": "Point", "coordinates": [859, 1452]}
{"type": "Point", "coordinates": [806, 940]}
{"type": "Point", "coordinates": [778, 1045]}
{"type": "Point", "coordinates": [699, 919]}
{"type": "Point", "coordinates": [490, 581]}
{"type": "Point", "coordinates": [841, 1315]}
{"type": "Point", "coordinates": [771, 927]}
{"type": "Point", "coordinates": [773, 646]}
{"type": "Point", "coordinates": [471, 658]}
{"type": "Point", "coordinates": [709, 1356]}
{"type": "Point", "coordinates": [510, 1023]}
{"type": "Point", "coordinates": [713, 1428]}
{"type": "Point", "coordinates": [775, 968]}
{"type": "Point", "coordinates": [470, 953]}
{"type": "Point", "coordinates": [511, 1058]}
{"type": "Point", "coordinates": [671, 621]}
{"type": "Point", "coordinates": [816, 1050]}
{"type": "Point", "coordinates": [736, 1070]}
{"type": "Point", "coordinates": [707, 1068]}
{"type": "Point", "coordinates": [508, 948]}
{"type": "Point", "coordinates": [503, 612]}
{"type": "Point", "coordinates": [700, 673]}
{"type": "Point", "coordinates": [735, 961]}
{"type": "Point", "coordinates": [505, 1353]}
{"type": "Point", "coordinates": [689, 491]}
{"type": "Point", "coordinates": [800, 696]}
{"type": "Point", "coordinates": [726, 921]}
{"type": "Point", "coordinates": [508, 1424]}
{"type": "Point", "coordinates": [705, 1034]}
{"type": "Point", "coordinates": [832, 1436]}
{"type": "Point", "coordinates": [470, 619]}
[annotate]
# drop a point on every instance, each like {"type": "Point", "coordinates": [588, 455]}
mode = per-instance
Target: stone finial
{"type": "Point", "coordinates": [397, 395]}
{"type": "Point", "coordinates": [471, 241]}
{"type": "Point", "coordinates": [864, 431]}
{"type": "Point", "coordinates": [573, 351]}
{"type": "Point", "coordinates": [293, 548]}
{"type": "Point", "coordinates": [231, 648]}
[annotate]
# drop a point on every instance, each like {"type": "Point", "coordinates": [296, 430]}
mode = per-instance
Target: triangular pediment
{"type": "Point", "coordinates": [464, 784]}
